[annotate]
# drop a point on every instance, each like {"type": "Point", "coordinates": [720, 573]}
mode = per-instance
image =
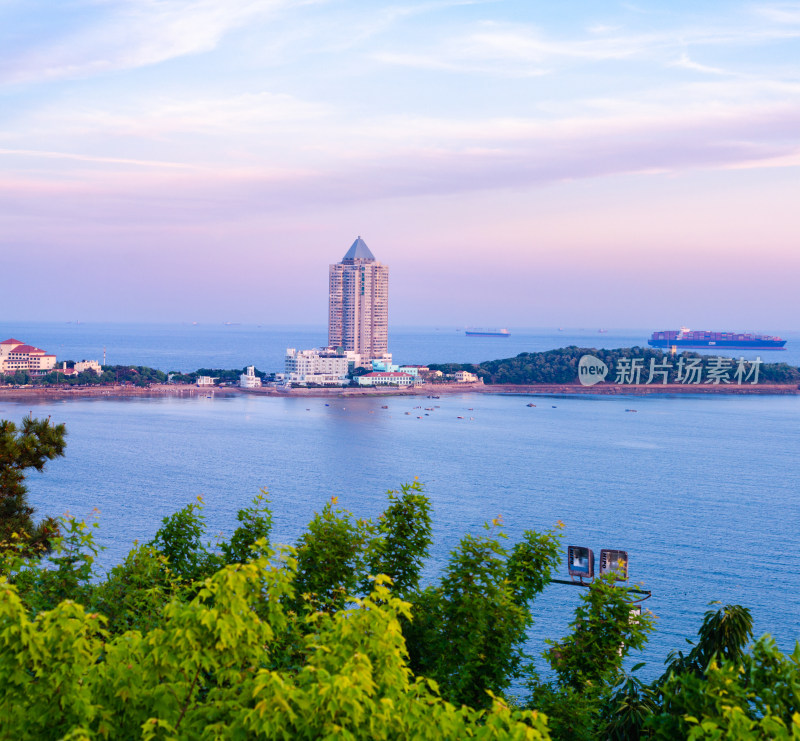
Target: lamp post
{"type": "Point", "coordinates": [580, 564]}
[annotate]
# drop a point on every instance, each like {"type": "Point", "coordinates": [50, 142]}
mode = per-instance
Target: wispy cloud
{"type": "Point", "coordinates": [527, 159]}
{"type": "Point", "coordinates": [685, 62]}
{"type": "Point", "coordinates": [514, 49]}
{"type": "Point", "coordinates": [77, 157]}
{"type": "Point", "coordinates": [252, 114]}
{"type": "Point", "coordinates": [135, 33]}
{"type": "Point", "coordinates": [783, 13]}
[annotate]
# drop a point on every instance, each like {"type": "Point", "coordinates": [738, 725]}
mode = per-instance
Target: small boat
{"type": "Point", "coordinates": [630, 410]}
{"type": "Point", "coordinates": [459, 418]}
{"type": "Point", "coordinates": [384, 407]}
{"type": "Point", "coordinates": [530, 405]}
{"type": "Point", "coordinates": [555, 407]}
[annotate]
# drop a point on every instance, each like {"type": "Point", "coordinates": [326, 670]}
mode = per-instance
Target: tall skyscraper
{"type": "Point", "coordinates": [358, 310]}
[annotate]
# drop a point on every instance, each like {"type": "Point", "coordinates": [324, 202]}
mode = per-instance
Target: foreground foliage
{"type": "Point", "coordinates": [29, 446]}
{"type": "Point", "coordinates": [189, 640]}
{"type": "Point", "coordinates": [205, 671]}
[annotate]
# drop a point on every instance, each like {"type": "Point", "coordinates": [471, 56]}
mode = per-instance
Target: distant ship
{"type": "Point", "coordinates": [478, 332]}
{"type": "Point", "coordinates": [701, 338]}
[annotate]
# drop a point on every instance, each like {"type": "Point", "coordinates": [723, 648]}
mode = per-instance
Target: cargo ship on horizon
{"type": "Point", "coordinates": [723, 340]}
{"type": "Point", "coordinates": [478, 332]}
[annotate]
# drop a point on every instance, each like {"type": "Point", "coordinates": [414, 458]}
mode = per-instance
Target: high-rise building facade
{"type": "Point", "coordinates": [358, 310]}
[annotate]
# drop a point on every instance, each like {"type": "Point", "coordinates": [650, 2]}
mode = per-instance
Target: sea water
{"type": "Point", "coordinates": [702, 491]}
{"type": "Point", "coordinates": [188, 347]}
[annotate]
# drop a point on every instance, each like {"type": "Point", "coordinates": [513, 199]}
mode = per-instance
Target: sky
{"type": "Point", "coordinates": [527, 163]}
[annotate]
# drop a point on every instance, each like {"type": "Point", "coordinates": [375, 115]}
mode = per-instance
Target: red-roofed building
{"type": "Point", "coordinates": [16, 355]}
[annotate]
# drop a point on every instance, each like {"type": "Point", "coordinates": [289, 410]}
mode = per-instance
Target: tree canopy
{"type": "Point", "coordinates": [561, 366]}
{"type": "Point", "coordinates": [23, 448]}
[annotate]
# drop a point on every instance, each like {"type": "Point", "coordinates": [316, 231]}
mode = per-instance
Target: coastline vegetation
{"type": "Point", "coordinates": [558, 366]}
{"type": "Point", "coordinates": [134, 375]}
{"type": "Point", "coordinates": [561, 366]}
{"type": "Point", "coordinates": [338, 636]}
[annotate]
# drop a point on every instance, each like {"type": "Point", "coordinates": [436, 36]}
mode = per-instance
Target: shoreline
{"type": "Point", "coordinates": [172, 390]}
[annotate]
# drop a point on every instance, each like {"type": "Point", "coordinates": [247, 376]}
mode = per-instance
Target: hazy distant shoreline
{"type": "Point", "coordinates": [49, 393]}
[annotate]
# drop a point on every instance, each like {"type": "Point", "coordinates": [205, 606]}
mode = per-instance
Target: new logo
{"type": "Point", "coordinates": [591, 370]}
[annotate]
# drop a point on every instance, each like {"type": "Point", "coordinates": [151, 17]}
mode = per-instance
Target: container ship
{"type": "Point", "coordinates": [478, 332]}
{"type": "Point", "coordinates": [700, 338]}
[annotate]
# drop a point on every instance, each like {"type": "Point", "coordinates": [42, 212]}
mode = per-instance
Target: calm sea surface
{"type": "Point", "coordinates": [702, 492]}
{"type": "Point", "coordinates": [187, 347]}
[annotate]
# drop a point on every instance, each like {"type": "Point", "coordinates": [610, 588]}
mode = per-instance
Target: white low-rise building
{"type": "Point", "coordinates": [205, 381]}
{"type": "Point", "coordinates": [86, 365]}
{"type": "Point", "coordinates": [465, 377]}
{"type": "Point", "coordinates": [249, 379]}
{"type": "Point", "coordinates": [386, 378]}
{"type": "Point", "coordinates": [325, 366]}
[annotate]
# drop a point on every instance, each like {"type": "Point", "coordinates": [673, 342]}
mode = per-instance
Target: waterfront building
{"type": "Point", "coordinates": [249, 379]}
{"type": "Point", "coordinates": [384, 378]}
{"type": "Point", "coordinates": [358, 307]}
{"type": "Point", "coordinates": [205, 381]}
{"type": "Point", "coordinates": [465, 377]}
{"type": "Point", "coordinates": [386, 366]}
{"type": "Point", "coordinates": [16, 356]}
{"type": "Point", "coordinates": [324, 366]}
{"type": "Point", "coordinates": [86, 365]}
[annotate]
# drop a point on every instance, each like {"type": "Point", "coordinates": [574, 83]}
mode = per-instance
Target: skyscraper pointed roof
{"type": "Point", "coordinates": [359, 251]}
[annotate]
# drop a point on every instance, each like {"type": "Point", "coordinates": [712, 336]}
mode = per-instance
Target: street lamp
{"type": "Point", "coordinates": [580, 562]}
{"type": "Point", "coordinates": [614, 562]}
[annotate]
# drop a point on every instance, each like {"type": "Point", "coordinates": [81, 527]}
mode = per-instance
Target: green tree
{"type": "Point", "coordinates": [332, 557]}
{"type": "Point", "coordinates": [754, 698]}
{"type": "Point", "coordinates": [404, 536]}
{"type": "Point", "coordinates": [133, 594]}
{"type": "Point", "coordinates": [66, 574]}
{"type": "Point", "coordinates": [202, 673]}
{"type": "Point", "coordinates": [603, 632]}
{"type": "Point", "coordinates": [590, 697]}
{"type": "Point", "coordinates": [467, 633]}
{"type": "Point", "coordinates": [180, 539]}
{"type": "Point", "coordinates": [724, 634]}
{"type": "Point", "coordinates": [28, 447]}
